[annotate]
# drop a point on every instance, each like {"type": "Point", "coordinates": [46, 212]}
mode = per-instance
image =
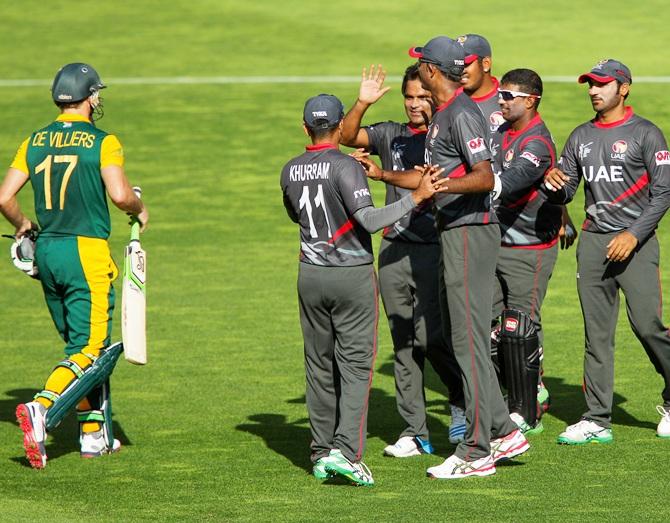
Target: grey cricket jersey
{"type": "Point", "coordinates": [626, 170]}
{"type": "Point", "coordinates": [527, 218]}
{"type": "Point", "coordinates": [400, 147]}
{"type": "Point", "coordinates": [488, 105]}
{"type": "Point", "coordinates": [457, 139]}
{"type": "Point", "coordinates": [323, 188]}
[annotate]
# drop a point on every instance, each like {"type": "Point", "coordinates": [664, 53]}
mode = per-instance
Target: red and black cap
{"type": "Point", "coordinates": [475, 46]}
{"type": "Point", "coordinates": [606, 71]}
{"type": "Point", "coordinates": [443, 52]}
{"type": "Point", "coordinates": [323, 111]}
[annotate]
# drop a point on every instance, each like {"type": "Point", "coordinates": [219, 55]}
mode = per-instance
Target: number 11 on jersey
{"type": "Point", "coordinates": [319, 201]}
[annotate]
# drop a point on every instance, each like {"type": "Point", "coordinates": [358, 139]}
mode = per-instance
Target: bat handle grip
{"type": "Point", "coordinates": [135, 223]}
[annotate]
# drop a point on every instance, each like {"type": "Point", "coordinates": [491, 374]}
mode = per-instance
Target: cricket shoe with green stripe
{"type": "Point", "coordinates": [457, 468]}
{"type": "Point", "coordinates": [585, 431]}
{"type": "Point", "coordinates": [319, 470]}
{"type": "Point", "coordinates": [31, 419]}
{"type": "Point", "coordinates": [358, 473]}
{"type": "Point", "coordinates": [525, 427]}
{"type": "Point", "coordinates": [508, 447]}
{"type": "Point", "coordinates": [663, 429]}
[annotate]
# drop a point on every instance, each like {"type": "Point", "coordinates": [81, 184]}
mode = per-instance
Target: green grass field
{"type": "Point", "coordinates": [215, 427]}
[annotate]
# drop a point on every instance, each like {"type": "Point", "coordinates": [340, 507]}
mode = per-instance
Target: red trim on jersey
{"type": "Point", "coordinates": [528, 197]}
{"type": "Point", "coordinates": [641, 182]}
{"type": "Point", "coordinates": [490, 94]}
{"type": "Point", "coordinates": [416, 131]}
{"type": "Point", "coordinates": [471, 344]}
{"type": "Point", "coordinates": [537, 247]}
{"type": "Point", "coordinates": [459, 172]}
{"type": "Point", "coordinates": [348, 225]}
{"type": "Point", "coordinates": [513, 135]}
{"type": "Point", "coordinates": [446, 104]}
{"type": "Point", "coordinates": [627, 115]}
{"type": "Point", "coordinates": [586, 223]}
{"type": "Point", "coordinates": [320, 147]}
{"type": "Point", "coordinates": [361, 426]}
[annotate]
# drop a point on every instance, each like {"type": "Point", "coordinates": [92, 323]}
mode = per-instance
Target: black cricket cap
{"type": "Point", "coordinates": [323, 111]}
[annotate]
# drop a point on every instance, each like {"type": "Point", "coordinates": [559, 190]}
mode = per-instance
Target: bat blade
{"type": "Point", "coordinates": [133, 301]}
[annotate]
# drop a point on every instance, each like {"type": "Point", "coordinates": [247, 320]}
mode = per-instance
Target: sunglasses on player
{"type": "Point", "coordinates": [509, 95]}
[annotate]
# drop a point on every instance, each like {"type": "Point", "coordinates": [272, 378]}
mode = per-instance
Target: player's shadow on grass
{"type": "Point", "coordinates": [567, 404]}
{"type": "Point", "coordinates": [61, 441]}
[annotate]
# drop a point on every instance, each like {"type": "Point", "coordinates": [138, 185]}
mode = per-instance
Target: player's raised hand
{"type": "Point", "coordinates": [555, 179]}
{"type": "Point", "coordinates": [372, 85]}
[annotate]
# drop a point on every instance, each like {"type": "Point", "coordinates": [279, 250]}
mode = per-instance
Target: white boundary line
{"type": "Point", "coordinates": [214, 80]}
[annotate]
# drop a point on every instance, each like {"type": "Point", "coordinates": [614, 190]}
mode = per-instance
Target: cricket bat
{"type": "Point", "coordinates": [133, 297]}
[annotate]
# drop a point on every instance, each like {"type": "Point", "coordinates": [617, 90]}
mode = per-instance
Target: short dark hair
{"type": "Point", "coordinates": [526, 79]}
{"type": "Point", "coordinates": [411, 73]}
{"type": "Point", "coordinates": [321, 132]}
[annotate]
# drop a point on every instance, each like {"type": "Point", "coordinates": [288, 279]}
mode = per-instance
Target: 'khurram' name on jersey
{"type": "Point", "coordinates": [309, 171]}
{"type": "Point", "coordinates": [400, 147]}
{"type": "Point", "coordinates": [626, 169]}
{"type": "Point", "coordinates": [457, 139]}
{"type": "Point", "coordinates": [323, 188]}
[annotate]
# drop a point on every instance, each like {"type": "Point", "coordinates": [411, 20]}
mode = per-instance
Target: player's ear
{"type": "Point", "coordinates": [624, 89]}
{"type": "Point", "coordinates": [487, 64]}
{"type": "Point", "coordinates": [304, 128]}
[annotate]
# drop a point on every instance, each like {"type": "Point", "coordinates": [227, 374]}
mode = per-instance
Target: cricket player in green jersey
{"type": "Point", "coordinates": [72, 165]}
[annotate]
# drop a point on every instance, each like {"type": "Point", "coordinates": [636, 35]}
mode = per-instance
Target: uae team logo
{"type": "Point", "coordinates": [509, 155]}
{"type": "Point", "coordinates": [619, 149]}
{"type": "Point", "coordinates": [436, 130]}
{"type": "Point", "coordinates": [496, 120]}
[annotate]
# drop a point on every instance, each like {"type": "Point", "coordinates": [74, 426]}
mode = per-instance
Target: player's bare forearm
{"type": "Point", "coordinates": [120, 191]}
{"type": "Point", "coordinates": [478, 180]}
{"type": "Point", "coordinates": [352, 134]}
{"type": "Point", "coordinates": [9, 205]}
{"type": "Point", "coordinates": [404, 179]}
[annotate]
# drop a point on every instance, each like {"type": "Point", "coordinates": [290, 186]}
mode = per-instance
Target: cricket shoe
{"type": "Point", "coordinates": [508, 447]}
{"type": "Point", "coordinates": [408, 446]}
{"type": "Point", "coordinates": [543, 397]}
{"type": "Point", "coordinates": [31, 418]}
{"type": "Point", "coordinates": [93, 445]}
{"type": "Point", "coordinates": [457, 425]}
{"type": "Point", "coordinates": [358, 473]}
{"type": "Point", "coordinates": [319, 469]}
{"type": "Point", "coordinates": [524, 427]}
{"type": "Point", "coordinates": [585, 431]}
{"type": "Point", "coordinates": [456, 468]}
{"type": "Point", "coordinates": [663, 429]}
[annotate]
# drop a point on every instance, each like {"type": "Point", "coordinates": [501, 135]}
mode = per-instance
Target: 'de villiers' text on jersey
{"type": "Point", "coordinates": [63, 161]}
{"type": "Point", "coordinates": [456, 140]}
{"type": "Point", "coordinates": [490, 108]}
{"type": "Point", "coordinates": [323, 188]}
{"type": "Point", "coordinates": [526, 218]}
{"type": "Point", "coordinates": [400, 147]}
{"type": "Point", "coordinates": [626, 169]}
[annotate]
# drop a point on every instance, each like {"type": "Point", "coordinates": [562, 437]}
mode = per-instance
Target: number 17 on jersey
{"type": "Point", "coordinates": [133, 298]}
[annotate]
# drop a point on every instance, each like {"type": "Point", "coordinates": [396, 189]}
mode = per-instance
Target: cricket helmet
{"type": "Point", "coordinates": [75, 82]}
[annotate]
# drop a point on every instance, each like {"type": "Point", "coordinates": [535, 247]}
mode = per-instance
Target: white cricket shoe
{"type": "Point", "coordinates": [585, 431]}
{"type": "Point", "coordinates": [93, 445]}
{"type": "Point", "coordinates": [663, 429]}
{"type": "Point", "coordinates": [319, 469]}
{"type": "Point", "coordinates": [457, 425]}
{"type": "Point", "coordinates": [31, 418]}
{"type": "Point", "coordinates": [408, 446]}
{"type": "Point", "coordinates": [510, 446]}
{"type": "Point", "coordinates": [456, 468]}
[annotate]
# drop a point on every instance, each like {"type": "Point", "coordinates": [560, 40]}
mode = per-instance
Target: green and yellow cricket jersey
{"type": "Point", "coordinates": [63, 161]}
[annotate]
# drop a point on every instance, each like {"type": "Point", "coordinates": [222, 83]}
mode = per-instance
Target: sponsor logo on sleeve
{"type": "Point", "coordinates": [476, 145]}
{"type": "Point", "coordinates": [361, 193]}
{"type": "Point", "coordinates": [531, 158]}
{"type": "Point", "coordinates": [663, 158]}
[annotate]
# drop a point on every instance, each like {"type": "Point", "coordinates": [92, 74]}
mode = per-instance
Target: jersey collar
{"type": "Point", "coordinates": [71, 117]}
{"type": "Point", "coordinates": [493, 92]}
{"type": "Point", "coordinates": [446, 104]}
{"type": "Point", "coordinates": [511, 135]}
{"type": "Point", "coordinates": [415, 131]}
{"type": "Point", "coordinates": [626, 116]}
{"type": "Point", "coordinates": [320, 147]}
